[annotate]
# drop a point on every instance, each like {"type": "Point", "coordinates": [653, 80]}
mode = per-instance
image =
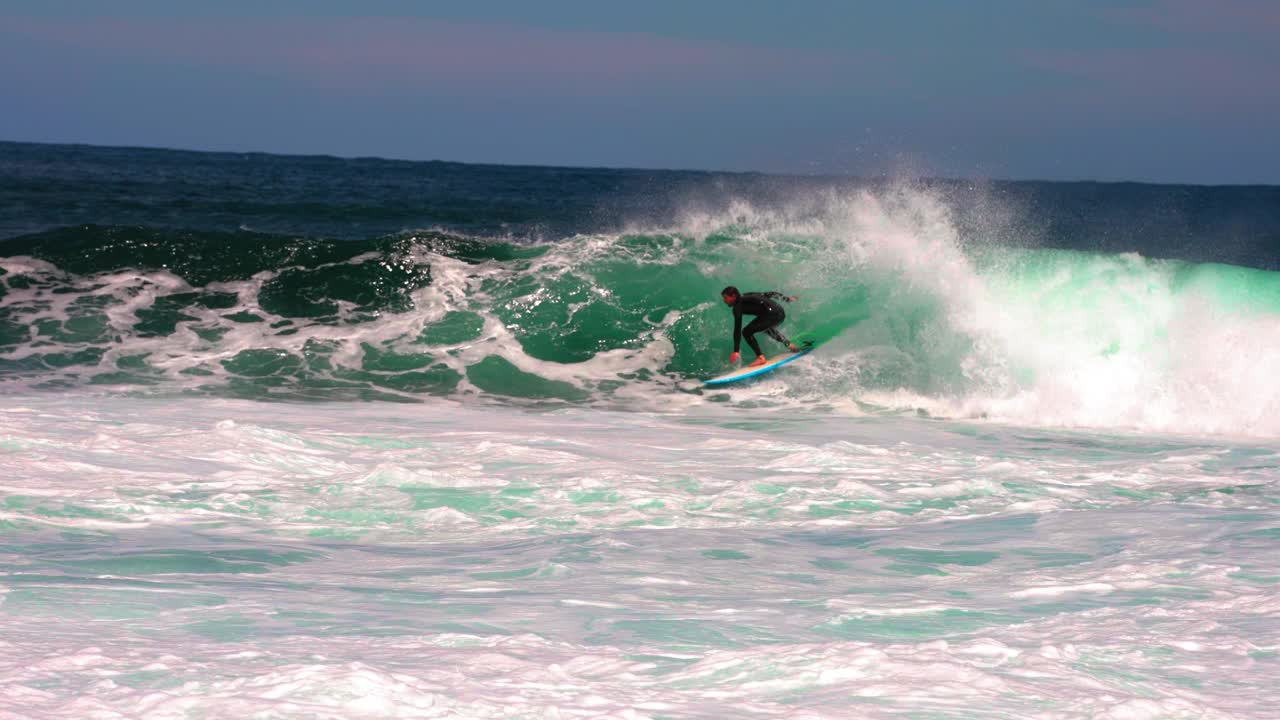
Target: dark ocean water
{"type": "Point", "coordinates": [44, 187]}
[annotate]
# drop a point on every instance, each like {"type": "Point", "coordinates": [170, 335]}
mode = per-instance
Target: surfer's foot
{"type": "Point", "coordinates": [760, 360]}
{"type": "Point", "coordinates": [794, 347]}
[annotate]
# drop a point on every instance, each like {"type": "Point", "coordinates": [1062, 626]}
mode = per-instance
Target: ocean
{"type": "Point", "coordinates": [314, 437]}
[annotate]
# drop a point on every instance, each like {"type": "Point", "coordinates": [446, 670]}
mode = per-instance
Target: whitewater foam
{"type": "Point", "coordinates": [363, 559]}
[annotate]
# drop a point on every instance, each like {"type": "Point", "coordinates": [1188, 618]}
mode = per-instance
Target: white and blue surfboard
{"type": "Point", "coordinates": [747, 373]}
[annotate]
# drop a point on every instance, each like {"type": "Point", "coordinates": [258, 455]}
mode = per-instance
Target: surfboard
{"type": "Point", "coordinates": [747, 373]}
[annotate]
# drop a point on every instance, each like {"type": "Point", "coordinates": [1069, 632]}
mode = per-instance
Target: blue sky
{"type": "Point", "coordinates": [1156, 90]}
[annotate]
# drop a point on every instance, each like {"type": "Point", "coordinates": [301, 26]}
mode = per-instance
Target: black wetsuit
{"type": "Point", "coordinates": [768, 315]}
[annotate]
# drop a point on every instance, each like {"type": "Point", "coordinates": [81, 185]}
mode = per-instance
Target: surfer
{"type": "Point", "coordinates": [768, 316]}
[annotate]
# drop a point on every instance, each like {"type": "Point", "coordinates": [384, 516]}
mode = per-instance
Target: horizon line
{"type": "Point", "coordinates": [623, 168]}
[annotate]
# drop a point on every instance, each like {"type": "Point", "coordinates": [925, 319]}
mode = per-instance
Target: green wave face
{"type": "Point", "coordinates": [909, 318]}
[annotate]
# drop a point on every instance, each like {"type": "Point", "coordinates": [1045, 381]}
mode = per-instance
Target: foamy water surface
{"type": "Point", "coordinates": [217, 558]}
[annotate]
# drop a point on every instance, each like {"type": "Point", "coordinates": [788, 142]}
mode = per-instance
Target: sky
{"type": "Point", "coordinates": [1145, 90]}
